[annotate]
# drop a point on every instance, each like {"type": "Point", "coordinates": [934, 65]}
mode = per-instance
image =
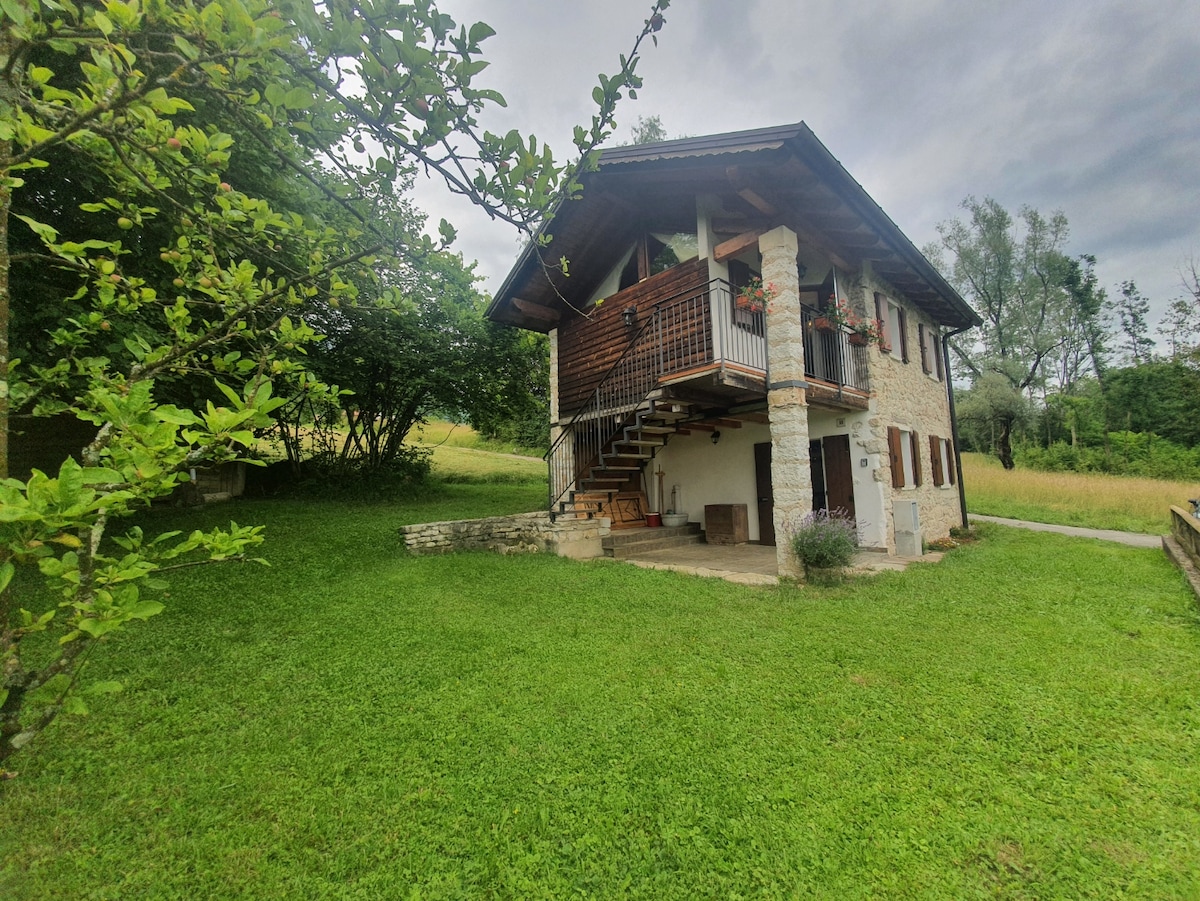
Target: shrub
{"type": "Point", "coordinates": [826, 539]}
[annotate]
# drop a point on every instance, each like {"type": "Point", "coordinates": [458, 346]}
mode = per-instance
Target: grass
{"type": "Point", "coordinates": [1019, 721]}
{"type": "Point", "coordinates": [439, 433]}
{"type": "Point", "coordinates": [1071, 498]}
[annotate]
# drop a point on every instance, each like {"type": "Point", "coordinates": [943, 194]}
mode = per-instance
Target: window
{"type": "Point", "coordinates": [657, 252]}
{"type": "Point", "coordinates": [941, 458]}
{"type": "Point", "coordinates": [904, 453]}
{"type": "Point", "coordinates": [931, 351]}
{"type": "Point", "coordinates": [895, 325]}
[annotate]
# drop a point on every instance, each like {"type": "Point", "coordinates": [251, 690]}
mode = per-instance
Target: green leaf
{"type": "Point", "coordinates": [41, 229]}
{"type": "Point", "coordinates": [481, 31]}
{"type": "Point", "coordinates": [7, 570]}
{"type": "Point", "coordinates": [16, 11]}
{"type": "Point", "coordinates": [104, 23]}
{"type": "Point", "coordinates": [298, 98]}
{"type": "Point", "coordinates": [146, 609]}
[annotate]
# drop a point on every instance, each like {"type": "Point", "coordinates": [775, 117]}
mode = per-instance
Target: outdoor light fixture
{"type": "Point", "coordinates": [630, 315]}
{"type": "Point", "coordinates": [716, 436]}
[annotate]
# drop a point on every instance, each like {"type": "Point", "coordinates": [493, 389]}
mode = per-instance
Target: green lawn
{"type": "Point", "coordinates": [1019, 721]}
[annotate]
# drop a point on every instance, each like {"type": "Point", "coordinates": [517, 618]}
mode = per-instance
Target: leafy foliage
{"type": "Point", "coordinates": [183, 261]}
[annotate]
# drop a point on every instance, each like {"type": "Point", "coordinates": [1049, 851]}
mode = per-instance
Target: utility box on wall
{"type": "Point", "coordinates": [907, 518]}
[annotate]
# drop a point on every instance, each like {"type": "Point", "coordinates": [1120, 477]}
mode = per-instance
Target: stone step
{"type": "Point", "coordinates": [645, 533]}
{"type": "Point", "coordinates": [636, 548]}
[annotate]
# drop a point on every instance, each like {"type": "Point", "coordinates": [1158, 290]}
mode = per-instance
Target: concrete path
{"type": "Point", "coordinates": [754, 564]}
{"type": "Point", "coordinates": [1136, 539]}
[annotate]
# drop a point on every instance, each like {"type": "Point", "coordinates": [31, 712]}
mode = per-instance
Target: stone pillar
{"type": "Point", "coordinates": [787, 404]}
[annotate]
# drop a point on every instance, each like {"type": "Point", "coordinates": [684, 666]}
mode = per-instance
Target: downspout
{"type": "Point", "coordinates": [962, 491]}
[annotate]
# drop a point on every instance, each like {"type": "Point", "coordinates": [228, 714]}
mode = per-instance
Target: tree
{"type": "Point", "coordinates": [993, 409]}
{"type": "Point", "coordinates": [108, 91]}
{"type": "Point", "coordinates": [1031, 296]}
{"type": "Point", "coordinates": [649, 130]}
{"type": "Point", "coordinates": [1160, 397]}
{"type": "Point", "coordinates": [1180, 326]}
{"type": "Point", "coordinates": [1133, 327]}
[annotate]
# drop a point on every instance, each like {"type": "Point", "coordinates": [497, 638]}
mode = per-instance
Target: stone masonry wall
{"type": "Point", "coordinates": [906, 397]}
{"type": "Point", "coordinates": [1185, 528]}
{"type": "Point", "coordinates": [522, 533]}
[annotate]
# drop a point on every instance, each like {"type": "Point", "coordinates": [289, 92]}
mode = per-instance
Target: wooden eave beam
{"type": "Point", "coordinates": [727, 250]}
{"type": "Point", "coordinates": [536, 311]}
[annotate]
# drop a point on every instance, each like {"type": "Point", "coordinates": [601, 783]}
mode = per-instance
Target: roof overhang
{"type": "Point", "coordinates": [773, 176]}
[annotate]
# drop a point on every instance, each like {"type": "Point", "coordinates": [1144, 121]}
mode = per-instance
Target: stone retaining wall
{"type": "Point", "coordinates": [522, 533]}
{"type": "Point", "coordinates": [1186, 530]}
{"type": "Point", "coordinates": [1183, 545]}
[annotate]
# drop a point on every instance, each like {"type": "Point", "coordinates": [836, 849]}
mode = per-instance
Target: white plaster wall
{"type": "Point", "coordinates": [710, 474]}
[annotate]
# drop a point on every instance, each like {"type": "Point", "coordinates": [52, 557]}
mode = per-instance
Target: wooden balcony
{"type": "Point", "coordinates": [704, 341]}
{"type": "Point", "coordinates": [698, 348]}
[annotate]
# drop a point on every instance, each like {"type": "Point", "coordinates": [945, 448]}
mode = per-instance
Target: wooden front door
{"type": "Point", "coordinates": [766, 495]}
{"type": "Point", "coordinates": [839, 473]}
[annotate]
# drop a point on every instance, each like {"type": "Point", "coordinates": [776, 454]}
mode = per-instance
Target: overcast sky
{"type": "Point", "coordinates": [1092, 108]}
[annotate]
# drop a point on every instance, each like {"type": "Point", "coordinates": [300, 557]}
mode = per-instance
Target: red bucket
{"type": "Point", "coordinates": [654, 520]}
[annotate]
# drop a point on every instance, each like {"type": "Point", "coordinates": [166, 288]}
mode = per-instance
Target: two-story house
{"type": "Point", "coordinates": [668, 390]}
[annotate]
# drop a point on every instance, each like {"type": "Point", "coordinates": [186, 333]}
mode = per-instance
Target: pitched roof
{"type": "Point", "coordinates": [783, 173]}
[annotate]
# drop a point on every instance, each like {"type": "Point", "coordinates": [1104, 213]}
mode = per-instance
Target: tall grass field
{"type": "Point", "coordinates": [1092, 500]}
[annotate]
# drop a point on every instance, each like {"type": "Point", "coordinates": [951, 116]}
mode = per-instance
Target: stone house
{"type": "Point", "coordinates": [670, 390]}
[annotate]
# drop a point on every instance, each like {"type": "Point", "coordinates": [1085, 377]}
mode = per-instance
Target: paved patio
{"type": "Point", "coordinates": [753, 564]}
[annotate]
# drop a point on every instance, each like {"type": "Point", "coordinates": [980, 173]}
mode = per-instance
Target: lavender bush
{"type": "Point", "coordinates": [826, 539]}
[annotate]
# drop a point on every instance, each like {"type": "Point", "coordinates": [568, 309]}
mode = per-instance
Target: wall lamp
{"type": "Point", "coordinates": [630, 315]}
{"type": "Point", "coordinates": [716, 436]}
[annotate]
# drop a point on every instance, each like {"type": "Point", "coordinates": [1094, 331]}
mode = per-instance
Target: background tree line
{"type": "Point", "coordinates": [1063, 374]}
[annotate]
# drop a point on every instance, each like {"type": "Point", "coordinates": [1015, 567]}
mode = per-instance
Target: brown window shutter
{"type": "Point", "coordinates": [897, 458]}
{"type": "Point", "coordinates": [924, 348]}
{"type": "Point", "coordinates": [937, 357]}
{"type": "Point", "coordinates": [903, 322]}
{"type": "Point", "coordinates": [935, 459]}
{"type": "Point", "coordinates": [916, 454]}
{"type": "Point", "coordinates": [950, 459]}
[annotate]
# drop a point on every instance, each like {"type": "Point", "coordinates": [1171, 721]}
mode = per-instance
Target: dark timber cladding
{"type": "Point", "coordinates": [588, 346]}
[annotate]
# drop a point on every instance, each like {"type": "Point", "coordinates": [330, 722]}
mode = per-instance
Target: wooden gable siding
{"type": "Point", "coordinates": [588, 347]}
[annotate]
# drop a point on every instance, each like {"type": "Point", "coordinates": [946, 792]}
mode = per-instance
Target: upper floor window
{"type": "Point", "coordinates": [657, 252]}
{"type": "Point", "coordinates": [931, 351]}
{"type": "Point", "coordinates": [895, 325]}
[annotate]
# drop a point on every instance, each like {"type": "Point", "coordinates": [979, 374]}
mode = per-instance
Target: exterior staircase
{"type": "Point", "coordinates": [633, 542]}
{"type": "Point", "coordinates": [617, 472]}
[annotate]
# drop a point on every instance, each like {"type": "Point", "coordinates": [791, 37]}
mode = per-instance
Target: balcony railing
{"type": "Point", "coordinates": [692, 332]}
{"type": "Point", "coordinates": [830, 357]}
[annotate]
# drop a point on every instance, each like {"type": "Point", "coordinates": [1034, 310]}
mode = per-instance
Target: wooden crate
{"type": "Point", "coordinates": [726, 524]}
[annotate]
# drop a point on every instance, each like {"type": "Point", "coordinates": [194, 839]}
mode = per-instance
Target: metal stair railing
{"type": "Point", "coordinates": [676, 336]}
